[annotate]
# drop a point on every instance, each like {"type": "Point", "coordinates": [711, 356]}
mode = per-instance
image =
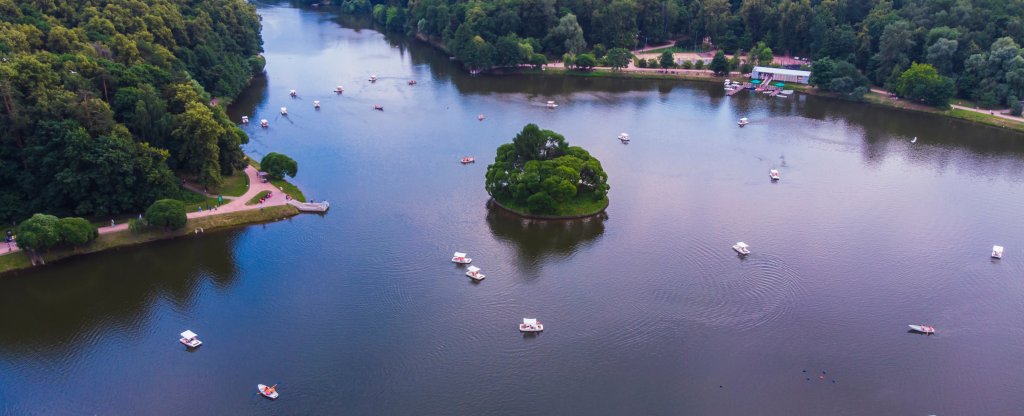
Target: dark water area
{"type": "Point", "coordinates": [647, 309]}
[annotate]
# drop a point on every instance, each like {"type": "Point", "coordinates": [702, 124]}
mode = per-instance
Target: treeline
{"type": "Point", "coordinates": [102, 100]}
{"type": "Point", "coordinates": [970, 42]}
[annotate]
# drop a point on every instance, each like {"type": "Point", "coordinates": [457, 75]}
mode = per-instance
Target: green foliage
{"type": "Point", "coordinates": [719, 64]}
{"type": "Point", "coordinates": [586, 61]}
{"type": "Point", "coordinates": [38, 233]}
{"type": "Point", "coordinates": [698, 64]}
{"type": "Point", "coordinates": [167, 213]}
{"type": "Point", "coordinates": [138, 226]}
{"type": "Point", "coordinates": [93, 93]}
{"type": "Point", "coordinates": [618, 58]}
{"type": "Point", "coordinates": [541, 171]}
{"type": "Point", "coordinates": [839, 77]}
{"type": "Point", "coordinates": [687, 65]}
{"type": "Point", "coordinates": [666, 60]}
{"type": "Point", "coordinates": [1015, 107]}
{"type": "Point", "coordinates": [76, 231]}
{"type": "Point", "coordinates": [640, 63]}
{"type": "Point", "coordinates": [277, 165]}
{"type": "Point", "coordinates": [922, 82]}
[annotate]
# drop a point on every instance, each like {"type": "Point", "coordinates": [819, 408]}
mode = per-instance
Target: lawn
{"type": "Point", "coordinates": [256, 199]}
{"type": "Point", "coordinates": [234, 185]}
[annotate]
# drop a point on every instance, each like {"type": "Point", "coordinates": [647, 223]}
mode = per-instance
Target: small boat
{"type": "Point", "coordinates": [316, 104]}
{"type": "Point", "coordinates": [741, 248]}
{"type": "Point", "coordinates": [373, 78]}
{"type": "Point", "coordinates": [774, 174]}
{"type": "Point", "coordinates": [924, 329]}
{"type": "Point", "coordinates": [467, 160]}
{"type": "Point", "coordinates": [551, 104]}
{"type": "Point", "coordinates": [412, 82]}
{"type": "Point", "coordinates": [190, 339]}
{"type": "Point", "coordinates": [284, 111]}
{"type": "Point", "coordinates": [378, 107]}
{"type": "Point", "coordinates": [786, 92]}
{"type": "Point", "coordinates": [245, 119]}
{"type": "Point", "coordinates": [480, 117]}
{"type": "Point", "coordinates": [293, 93]}
{"type": "Point", "coordinates": [269, 392]}
{"type": "Point", "coordinates": [531, 325]}
{"type": "Point", "coordinates": [624, 137]}
{"type": "Point", "coordinates": [339, 89]}
{"type": "Point", "coordinates": [461, 258]}
{"type": "Point", "coordinates": [743, 122]}
{"type": "Point", "coordinates": [997, 252]}
{"type": "Point", "coordinates": [264, 123]}
{"type": "Point", "coordinates": [474, 273]}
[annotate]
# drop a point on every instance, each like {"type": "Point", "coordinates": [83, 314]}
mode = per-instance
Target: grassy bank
{"type": "Point", "coordinates": [19, 261]}
{"type": "Point", "coordinates": [580, 206]}
{"type": "Point", "coordinates": [283, 185]}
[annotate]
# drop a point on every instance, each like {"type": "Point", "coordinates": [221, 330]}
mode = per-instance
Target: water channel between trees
{"type": "Point", "coordinates": [647, 310]}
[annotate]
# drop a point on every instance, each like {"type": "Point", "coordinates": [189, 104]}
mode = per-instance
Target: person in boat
{"type": "Point", "coordinates": [269, 390]}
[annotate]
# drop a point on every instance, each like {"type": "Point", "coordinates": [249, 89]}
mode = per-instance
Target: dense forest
{"type": "Point", "coordinates": [970, 43]}
{"type": "Point", "coordinates": [103, 101]}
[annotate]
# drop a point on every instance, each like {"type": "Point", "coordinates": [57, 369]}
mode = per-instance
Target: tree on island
{"type": "Point", "coordinates": [168, 213]}
{"type": "Point", "coordinates": [541, 174]}
{"type": "Point", "coordinates": [277, 165]}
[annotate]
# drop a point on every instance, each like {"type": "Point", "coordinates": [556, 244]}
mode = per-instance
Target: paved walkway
{"type": "Point", "coordinates": [234, 205]}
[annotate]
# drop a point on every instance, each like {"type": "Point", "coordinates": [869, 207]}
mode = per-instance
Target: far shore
{"type": "Point", "coordinates": [994, 118]}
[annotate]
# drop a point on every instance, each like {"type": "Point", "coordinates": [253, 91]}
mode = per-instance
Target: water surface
{"type": "Point", "coordinates": [647, 310]}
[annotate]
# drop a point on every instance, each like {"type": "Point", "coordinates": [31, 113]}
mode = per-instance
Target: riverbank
{"type": "Point", "coordinates": [235, 212]}
{"type": "Point", "coordinates": [873, 97]}
{"type": "Point", "coordinates": [19, 261]}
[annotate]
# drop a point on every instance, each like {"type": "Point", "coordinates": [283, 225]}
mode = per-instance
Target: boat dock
{"type": "Point", "coordinates": [322, 206]}
{"type": "Point", "coordinates": [733, 91]}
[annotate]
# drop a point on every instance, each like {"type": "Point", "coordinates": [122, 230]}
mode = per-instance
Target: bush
{"type": "Point", "coordinates": [38, 232]}
{"type": "Point", "coordinates": [137, 226]}
{"type": "Point", "coordinates": [540, 203]}
{"type": "Point", "coordinates": [687, 65]}
{"type": "Point", "coordinates": [641, 63]}
{"type": "Point", "coordinates": [698, 64]}
{"type": "Point", "coordinates": [277, 165]}
{"type": "Point", "coordinates": [1015, 107]}
{"type": "Point", "coordinates": [168, 213]}
{"type": "Point", "coordinates": [76, 231]}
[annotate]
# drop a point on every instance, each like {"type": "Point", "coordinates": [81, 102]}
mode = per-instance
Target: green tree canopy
{"type": "Point", "coordinates": [38, 233]}
{"type": "Point", "coordinates": [585, 61]}
{"type": "Point", "coordinates": [540, 171]}
{"type": "Point", "coordinates": [277, 165]}
{"type": "Point", "coordinates": [618, 58]}
{"type": "Point", "coordinates": [719, 64]}
{"type": "Point", "coordinates": [922, 82]}
{"type": "Point", "coordinates": [168, 213]}
{"type": "Point", "coordinates": [76, 231]}
{"type": "Point", "coordinates": [666, 60]}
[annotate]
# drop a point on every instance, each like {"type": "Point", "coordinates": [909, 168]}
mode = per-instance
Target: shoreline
{"type": "Point", "coordinates": [494, 202]}
{"type": "Point", "coordinates": [871, 98]}
{"type": "Point", "coordinates": [14, 263]}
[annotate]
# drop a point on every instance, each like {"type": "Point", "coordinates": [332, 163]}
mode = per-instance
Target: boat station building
{"type": "Point", "coordinates": [779, 74]}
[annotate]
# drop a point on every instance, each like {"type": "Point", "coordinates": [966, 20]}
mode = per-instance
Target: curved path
{"type": "Point", "coordinates": [233, 205]}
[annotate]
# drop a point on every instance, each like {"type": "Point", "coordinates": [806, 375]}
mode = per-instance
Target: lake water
{"type": "Point", "coordinates": [647, 309]}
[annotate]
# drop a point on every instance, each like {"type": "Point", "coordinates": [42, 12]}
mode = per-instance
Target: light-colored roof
{"type": "Point", "coordinates": [743, 119]}
{"type": "Point", "coordinates": [530, 321]}
{"type": "Point", "coordinates": [997, 248]}
{"type": "Point", "coordinates": [473, 269]}
{"type": "Point", "coordinates": [188, 334]}
{"type": "Point", "coordinates": [457, 254]}
{"type": "Point", "coordinates": [741, 244]}
{"type": "Point", "coordinates": [781, 71]}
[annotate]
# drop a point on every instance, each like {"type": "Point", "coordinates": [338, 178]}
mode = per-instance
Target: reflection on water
{"type": "Point", "coordinates": [537, 240]}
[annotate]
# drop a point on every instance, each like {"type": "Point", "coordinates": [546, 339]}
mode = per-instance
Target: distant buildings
{"type": "Point", "coordinates": [779, 74]}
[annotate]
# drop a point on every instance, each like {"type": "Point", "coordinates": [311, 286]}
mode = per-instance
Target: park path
{"type": "Point", "coordinates": [1002, 113]}
{"type": "Point", "coordinates": [234, 205]}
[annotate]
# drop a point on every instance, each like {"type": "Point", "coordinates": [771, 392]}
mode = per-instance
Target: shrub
{"type": "Point", "coordinates": [168, 213]}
